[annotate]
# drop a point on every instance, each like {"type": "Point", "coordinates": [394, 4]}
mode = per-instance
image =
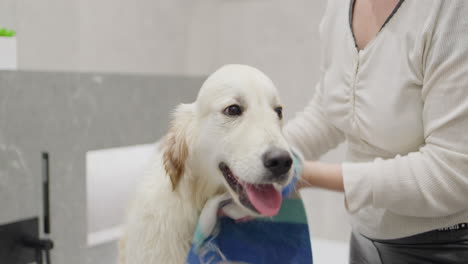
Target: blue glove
{"type": "Point", "coordinates": [297, 167]}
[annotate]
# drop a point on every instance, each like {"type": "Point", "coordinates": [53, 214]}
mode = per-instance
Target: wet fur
{"type": "Point", "coordinates": [184, 174]}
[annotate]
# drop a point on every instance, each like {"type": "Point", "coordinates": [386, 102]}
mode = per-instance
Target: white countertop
{"type": "Point", "coordinates": [329, 251]}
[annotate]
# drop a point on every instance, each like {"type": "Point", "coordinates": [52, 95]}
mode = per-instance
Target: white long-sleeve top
{"type": "Point", "coordinates": [401, 104]}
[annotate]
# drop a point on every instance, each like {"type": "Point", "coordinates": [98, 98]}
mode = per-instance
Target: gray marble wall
{"type": "Point", "coordinates": [67, 114]}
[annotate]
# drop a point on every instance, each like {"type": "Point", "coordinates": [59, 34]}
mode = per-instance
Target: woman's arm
{"type": "Point", "coordinates": [323, 175]}
{"type": "Point", "coordinates": [310, 131]}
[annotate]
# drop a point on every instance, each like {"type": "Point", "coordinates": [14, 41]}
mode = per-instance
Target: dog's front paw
{"type": "Point", "coordinates": [234, 211]}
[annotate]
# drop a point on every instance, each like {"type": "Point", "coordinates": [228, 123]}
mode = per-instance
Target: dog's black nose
{"type": "Point", "coordinates": [277, 161]}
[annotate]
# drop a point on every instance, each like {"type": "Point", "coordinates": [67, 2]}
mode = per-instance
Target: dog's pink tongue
{"type": "Point", "coordinates": [265, 198]}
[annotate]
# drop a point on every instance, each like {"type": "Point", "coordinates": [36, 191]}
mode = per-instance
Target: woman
{"type": "Point", "coordinates": [395, 88]}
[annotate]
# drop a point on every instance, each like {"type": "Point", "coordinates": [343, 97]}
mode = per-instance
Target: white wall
{"type": "Point", "coordinates": [48, 34]}
{"type": "Point", "coordinates": [279, 37]}
{"type": "Point", "coordinates": [172, 37]}
{"type": "Point", "coordinates": [144, 36]}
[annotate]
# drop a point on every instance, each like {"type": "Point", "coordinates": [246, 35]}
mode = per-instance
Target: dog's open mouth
{"type": "Point", "coordinates": [264, 199]}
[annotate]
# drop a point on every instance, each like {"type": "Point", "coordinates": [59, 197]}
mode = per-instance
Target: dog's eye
{"type": "Point", "coordinates": [279, 111]}
{"type": "Point", "coordinates": [233, 110]}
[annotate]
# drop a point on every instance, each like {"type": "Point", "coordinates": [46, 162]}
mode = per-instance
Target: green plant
{"type": "Point", "coordinates": [7, 32]}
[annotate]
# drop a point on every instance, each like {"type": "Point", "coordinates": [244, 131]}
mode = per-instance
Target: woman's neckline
{"type": "Point", "coordinates": [351, 16]}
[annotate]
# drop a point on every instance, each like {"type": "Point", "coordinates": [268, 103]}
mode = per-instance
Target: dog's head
{"type": "Point", "coordinates": [231, 136]}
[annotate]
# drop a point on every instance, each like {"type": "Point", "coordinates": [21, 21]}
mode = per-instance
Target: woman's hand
{"type": "Point", "coordinates": [323, 175]}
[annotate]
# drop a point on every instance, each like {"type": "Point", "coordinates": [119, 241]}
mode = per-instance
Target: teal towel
{"type": "Point", "coordinates": [225, 234]}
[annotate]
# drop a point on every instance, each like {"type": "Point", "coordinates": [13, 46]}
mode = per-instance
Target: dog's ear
{"type": "Point", "coordinates": [176, 144]}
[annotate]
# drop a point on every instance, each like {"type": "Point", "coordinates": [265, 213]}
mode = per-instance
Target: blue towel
{"type": "Point", "coordinates": [283, 238]}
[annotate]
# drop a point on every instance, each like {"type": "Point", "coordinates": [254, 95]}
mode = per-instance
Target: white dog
{"type": "Point", "coordinates": [228, 140]}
